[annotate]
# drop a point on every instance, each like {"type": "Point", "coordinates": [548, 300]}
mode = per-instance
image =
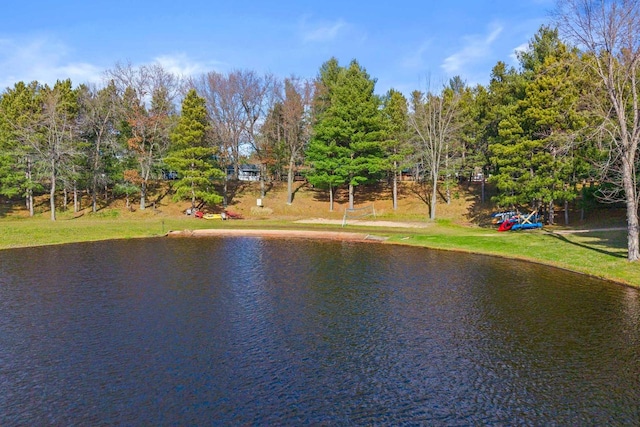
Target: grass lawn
{"type": "Point", "coordinates": [600, 254]}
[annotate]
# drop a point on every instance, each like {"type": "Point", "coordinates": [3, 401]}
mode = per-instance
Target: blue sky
{"type": "Point", "coordinates": [404, 44]}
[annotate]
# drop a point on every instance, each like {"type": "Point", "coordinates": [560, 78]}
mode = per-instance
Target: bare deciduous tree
{"type": "Point", "coordinates": [148, 95]}
{"type": "Point", "coordinates": [237, 102]}
{"type": "Point", "coordinates": [434, 122]}
{"type": "Point", "coordinates": [608, 31]}
{"type": "Point", "coordinates": [297, 124]}
{"type": "Point", "coordinates": [288, 125]}
{"type": "Point", "coordinates": [97, 121]}
{"type": "Point", "coordinates": [258, 94]}
{"type": "Point", "coordinates": [56, 128]}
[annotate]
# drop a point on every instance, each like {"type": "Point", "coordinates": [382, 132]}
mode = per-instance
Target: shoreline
{"type": "Point", "coordinates": [301, 234]}
{"type": "Point", "coordinates": [595, 255]}
{"type": "Point", "coordinates": [368, 238]}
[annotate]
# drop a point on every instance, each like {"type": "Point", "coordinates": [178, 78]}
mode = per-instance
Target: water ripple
{"type": "Point", "coordinates": [269, 332]}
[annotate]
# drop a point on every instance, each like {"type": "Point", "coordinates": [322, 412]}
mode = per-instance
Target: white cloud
{"type": "Point", "coordinates": [183, 66]}
{"type": "Point", "coordinates": [322, 32]}
{"type": "Point", "coordinates": [476, 47]}
{"type": "Point", "coordinates": [42, 59]}
{"type": "Point", "coordinates": [45, 59]}
{"type": "Point", "coordinates": [514, 55]}
{"type": "Point", "coordinates": [416, 59]}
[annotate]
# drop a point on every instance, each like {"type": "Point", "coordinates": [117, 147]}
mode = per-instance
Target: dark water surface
{"type": "Point", "coordinates": [242, 331]}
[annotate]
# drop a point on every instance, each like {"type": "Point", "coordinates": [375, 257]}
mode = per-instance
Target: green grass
{"type": "Point", "coordinates": [600, 254]}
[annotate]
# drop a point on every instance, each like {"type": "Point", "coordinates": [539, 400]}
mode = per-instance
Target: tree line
{"type": "Point", "coordinates": [568, 114]}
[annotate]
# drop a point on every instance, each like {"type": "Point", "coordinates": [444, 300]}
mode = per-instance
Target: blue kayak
{"type": "Point", "coordinates": [526, 226]}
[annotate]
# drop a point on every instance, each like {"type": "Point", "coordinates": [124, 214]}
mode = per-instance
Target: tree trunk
{"type": "Point", "coordinates": [236, 167]}
{"type": "Point", "coordinates": [225, 190]}
{"type": "Point", "coordinates": [52, 192]}
{"type": "Point", "coordinates": [193, 186]}
{"type": "Point", "coordinates": [193, 196]}
{"type": "Point", "coordinates": [94, 182]}
{"type": "Point", "coordinates": [583, 201]}
{"type": "Point", "coordinates": [633, 232]}
{"type": "Point", "coordinates": [143, 195]}
{"type": "Point", "coordinates": [552, 214]}
{"type": "Point", "coordinates": [434, 195]}
{"type": "Point", "coordinates": [30, 202]}
{"type": "Point", "coordinates": [395, 186]}
{"type": "Point", "coordinates": [566, 212]}
{"type": "Point", "coordinates": [29, 190]}
{"type": "Point", "coordinates": [351, 196]}
{"type": "Point", "coordinates": [447, 176]}
{"type": "Point", "coordinates": [94, 194]}
{"type": "Point", "coordinates": [330, 198]}
{"type": "Point", "coordinates": [290, 182]}
{"type": "Point", "coordinates": [262, 178]}
{"type": "Point", "coordinates": [76, 205]}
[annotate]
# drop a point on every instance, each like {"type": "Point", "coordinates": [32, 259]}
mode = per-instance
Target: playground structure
{"type": "Point", "coordinates": [514, 221]}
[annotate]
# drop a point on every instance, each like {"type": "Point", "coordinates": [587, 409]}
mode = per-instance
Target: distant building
{"type": "Point", "coordinates": [169, 175]}
{"type": "Point", "coordinates": [247, 172]}
{"type": "Point", "coordinates": [477, 175]}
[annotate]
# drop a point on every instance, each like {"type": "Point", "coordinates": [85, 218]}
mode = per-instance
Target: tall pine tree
{"type": "Point", "coordinates": [538, 120]}
{"type": "Point", "coordinates": [19, 111]}
{"type": "Point", "coordinates": [397, 148]}
{"type": "Point", "coordinates": [348, 133]}
{"type": "Point", "coordinates": [191, 157]}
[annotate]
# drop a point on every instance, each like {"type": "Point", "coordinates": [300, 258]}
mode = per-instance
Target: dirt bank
{"type": "Point", "coordinates": [373, 223]}
{"type": "Point", "coordinates": [301, 234]}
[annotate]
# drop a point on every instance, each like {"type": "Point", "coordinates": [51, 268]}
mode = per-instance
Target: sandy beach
{"type": "Point", "coordinates": [300, 234]}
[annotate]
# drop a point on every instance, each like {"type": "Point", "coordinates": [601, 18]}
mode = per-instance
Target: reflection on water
{"type": "Point", "coordinates": [247, 331]}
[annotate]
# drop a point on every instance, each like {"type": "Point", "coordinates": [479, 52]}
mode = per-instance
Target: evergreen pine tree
{"type": "Point", "coordinates": [349, 133]}
{"type": "Point", "coordinates": [191, 157]}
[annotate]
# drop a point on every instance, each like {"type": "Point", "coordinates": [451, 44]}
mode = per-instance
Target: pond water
{"type": "Point", "coordinates": [247, 331]}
